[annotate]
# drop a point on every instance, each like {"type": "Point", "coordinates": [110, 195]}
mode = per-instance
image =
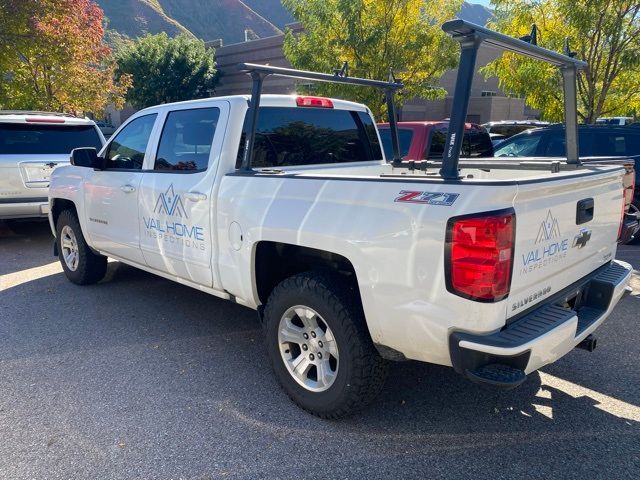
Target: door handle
{"type": "Point", "coordinates": [128, 188]}
{"type": "Point", "coordinates": [195, 196]}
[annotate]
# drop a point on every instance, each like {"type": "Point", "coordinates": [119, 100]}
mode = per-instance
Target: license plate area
{"type": "Point", "coordinates": [576, 299]}
{"type": "Point", "coordinates": [36, 174]}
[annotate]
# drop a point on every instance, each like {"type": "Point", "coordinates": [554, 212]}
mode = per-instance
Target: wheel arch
{"type": "Point", "coordinates": [274, 261]}
{"type": "Point", "coordinates": [58, 205]}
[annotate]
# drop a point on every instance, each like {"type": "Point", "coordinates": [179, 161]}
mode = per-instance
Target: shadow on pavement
{"type": "Point", "coordinates": [25, 244]}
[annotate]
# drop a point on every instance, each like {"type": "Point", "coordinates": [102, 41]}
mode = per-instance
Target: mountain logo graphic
{"type": "Point", "coordinates": [170, 204]}
{"type": "Point", "coordinates": [549, 229]}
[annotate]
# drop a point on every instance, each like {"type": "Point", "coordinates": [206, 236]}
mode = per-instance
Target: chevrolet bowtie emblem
{"type": "Point", "coordinates": [582, 238]}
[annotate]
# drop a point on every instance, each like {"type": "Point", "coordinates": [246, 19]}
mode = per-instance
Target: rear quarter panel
{"type": "Point", "coordinates": [396, 248]}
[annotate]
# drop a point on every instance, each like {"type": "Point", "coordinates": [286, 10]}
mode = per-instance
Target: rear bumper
{"type": "Point", "coordinates": [24, 208]}
{"type": "Point", "coordinates": [547, 333]}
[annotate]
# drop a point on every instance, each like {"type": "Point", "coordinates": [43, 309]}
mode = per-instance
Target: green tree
{"type": "Point", "coordinates": [167, 69]}
{"type": "Point", "coordinates": [604, 33]}
{"type": "Point", "coordinates": [53, 57]}
{"type": "Point", "coordinates": [373, 36]}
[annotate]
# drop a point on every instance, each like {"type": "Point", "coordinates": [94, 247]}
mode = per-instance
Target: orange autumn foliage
{"type": "Point", "coordinates": [54, 58]}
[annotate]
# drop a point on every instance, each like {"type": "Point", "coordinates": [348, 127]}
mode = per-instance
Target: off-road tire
{"type": "Point", "coordinates": [91, 266]}
{"type": "Point", "coordinates": [361, 370]}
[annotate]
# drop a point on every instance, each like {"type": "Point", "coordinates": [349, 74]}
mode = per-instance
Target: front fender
{"type": "Point", "coordinates": [67, 184]}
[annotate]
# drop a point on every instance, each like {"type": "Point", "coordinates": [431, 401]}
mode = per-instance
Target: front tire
{"type": "Point", "coordinates": [80, 264]}
{"type": "Point", "coordinates": [319, 345]}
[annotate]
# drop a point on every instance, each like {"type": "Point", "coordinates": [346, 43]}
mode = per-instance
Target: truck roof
{"type": "Point", "coordinates": [35, 117]}
{"type": "Point", "coordinates": [268, 100]}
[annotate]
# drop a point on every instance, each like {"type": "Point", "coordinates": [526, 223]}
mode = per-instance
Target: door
{"type": "Point", "coordinates": [176, 199]}
{"type": "Point", "coordinates": [111, 195]}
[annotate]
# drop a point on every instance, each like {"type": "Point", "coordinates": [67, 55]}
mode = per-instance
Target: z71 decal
{"type": "Point", "coordinates": [430, 198]}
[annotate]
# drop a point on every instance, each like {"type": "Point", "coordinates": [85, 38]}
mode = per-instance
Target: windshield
{"type": "Point", "coordinates": [521, 146]}
{"type": "Point", "coordinates": [20, 138]}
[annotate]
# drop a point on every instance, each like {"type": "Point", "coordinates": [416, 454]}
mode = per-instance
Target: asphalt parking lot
{"type": "Point", "coordinates": [139, 377]}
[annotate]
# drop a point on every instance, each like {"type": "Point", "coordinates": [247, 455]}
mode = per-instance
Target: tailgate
{"type": "Point", "coordinates": [565, 229]}
{"type": "Point", "coordinates": [21, 173]}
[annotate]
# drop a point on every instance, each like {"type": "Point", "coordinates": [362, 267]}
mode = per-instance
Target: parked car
{"type": "Point", "coordinates": [614, 121]}
{"type": "Point", "coordinates": [509, 128]}
{"type": "Point", "coordinates": [32, 144]}
{"type": "Point", "coordinates": [426, 139]}
{"type": "Point", "coordinates": [595, 143]}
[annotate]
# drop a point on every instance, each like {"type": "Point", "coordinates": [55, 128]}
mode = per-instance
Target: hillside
{"type": "Point", "coordinates": [134, 18]}
{"type": "Point", "coordinates": [206, 19]}
{"type": "Point", "coordinates": [213, 19]}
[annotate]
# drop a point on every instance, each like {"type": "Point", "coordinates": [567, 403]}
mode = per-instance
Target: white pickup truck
{"type": "Point", "coordinates": [285, 204]}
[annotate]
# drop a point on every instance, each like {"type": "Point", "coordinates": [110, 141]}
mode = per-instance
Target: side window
{"type": "Point", "coordinates": [607, 144]}
{"type": "Point", "coordinates": [127, 149]}
{"type": "Point", "coordinates": [556, 145]}
{"type": "Point", "coordinates": [405, 136]}
{"type": "Point", "coordinates": [477, 144]}
{"type": "Point", "coordinates": [474, 144]}
{"type": "Point", "coordinates": [436, 144]}
{"type": "Point", "coordinates": [186, 139]}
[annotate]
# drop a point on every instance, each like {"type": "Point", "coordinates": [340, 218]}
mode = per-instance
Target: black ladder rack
{"type": "Point", "coordinates": [470, 36]}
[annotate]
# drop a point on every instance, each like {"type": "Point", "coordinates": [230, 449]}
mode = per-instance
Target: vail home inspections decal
{"type": "Point", "coordinates": [551, 247]}
{"type": "Point", "coordinates": [171, 223]}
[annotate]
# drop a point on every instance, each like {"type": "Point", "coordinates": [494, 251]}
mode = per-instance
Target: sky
{"type": "Point", "coordinates": [481, 2]}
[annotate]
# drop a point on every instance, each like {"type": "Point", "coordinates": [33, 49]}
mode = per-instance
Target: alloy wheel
{"type": "Point", "coordinates": [308, 348]}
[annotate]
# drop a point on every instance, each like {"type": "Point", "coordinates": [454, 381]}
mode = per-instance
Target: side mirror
{"type": "Point", "coordinates": [87, 157]}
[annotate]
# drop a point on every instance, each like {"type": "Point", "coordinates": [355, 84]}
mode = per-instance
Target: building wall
{"type": "Point", "coordinates": [264, 51]}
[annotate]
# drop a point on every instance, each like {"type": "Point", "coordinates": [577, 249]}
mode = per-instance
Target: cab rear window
{"type": "Point", "coordinates": [311, 136]}
{"type": "Point", "coordinates": [19, 139]}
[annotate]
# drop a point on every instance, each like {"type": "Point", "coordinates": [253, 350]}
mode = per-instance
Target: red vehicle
{"type": "Point", "coordinates": [425, 140]}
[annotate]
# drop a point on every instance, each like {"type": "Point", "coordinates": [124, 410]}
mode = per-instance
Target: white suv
{"type": "Point", "coordinates": [32, 144]}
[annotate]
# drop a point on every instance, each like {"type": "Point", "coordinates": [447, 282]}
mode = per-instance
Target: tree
{"type": "Point", "coordinates": [52, 57]}
{"type": "Point", "coordinates": [167, 69]}
{"type": "Point", "coordinates": [373, 36]}
{"type": "Point", "coordinates": [604, 33]}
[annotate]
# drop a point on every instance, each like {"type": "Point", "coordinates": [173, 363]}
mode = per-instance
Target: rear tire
{"type": "Point", "coordinates": [80, 264]}
{"type": "Point", "coordinates": [319, 345]}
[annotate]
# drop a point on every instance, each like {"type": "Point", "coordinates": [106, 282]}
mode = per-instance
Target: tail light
{"type": "Point", "coordinates": [479, 255]}
{"type": "Point", "coordinates": [629, 183]}
{"type": "Point", "coordinates": [319, 102]}
{"type": "Point", "coordinates": [628, 189]}
{"type": "Point", "coordinates": [624, 210]}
